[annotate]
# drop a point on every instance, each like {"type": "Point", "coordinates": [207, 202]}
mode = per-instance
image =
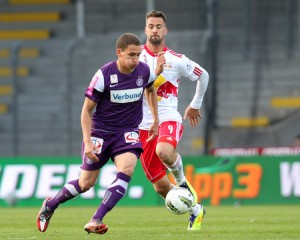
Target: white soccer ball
{"type": "Point", "coordinates": [179, 200]}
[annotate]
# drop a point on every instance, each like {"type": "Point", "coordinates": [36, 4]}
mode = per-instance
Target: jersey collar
{"type": "Point", "coordinates": [151, 53]}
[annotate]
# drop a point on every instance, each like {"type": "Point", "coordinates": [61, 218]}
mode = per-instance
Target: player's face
{"type": "Point", "coordinates": [129, 58]}
{"type": "Point", "coordinates": [155, 30]}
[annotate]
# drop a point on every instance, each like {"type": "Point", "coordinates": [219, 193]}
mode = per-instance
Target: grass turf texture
{"type": "Point", "coordinates": [143, 223]}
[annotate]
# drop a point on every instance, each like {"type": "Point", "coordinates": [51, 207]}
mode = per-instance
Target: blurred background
{"type": "Point", "coordinates": [50, 49]}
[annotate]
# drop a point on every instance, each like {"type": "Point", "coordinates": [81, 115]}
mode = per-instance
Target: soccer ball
{"type": "Point", "coordinates": [179, 200]}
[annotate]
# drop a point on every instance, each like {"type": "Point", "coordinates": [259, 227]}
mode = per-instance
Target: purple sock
{"type": "Point", "coordinates": [113, 195]}
{"type": "Point", "coordinates": [69, 191]}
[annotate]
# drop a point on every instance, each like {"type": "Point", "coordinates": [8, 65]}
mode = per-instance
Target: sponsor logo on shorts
{"type": "Point", "coordinates": [89, 161]}
{"type": "Point", "coordinates": [98, 142]}
{"type": "Point", "coordinates": [131, 137]}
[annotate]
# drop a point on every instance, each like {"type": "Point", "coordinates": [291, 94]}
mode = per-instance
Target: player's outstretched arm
{"type": "Point", "coordinates": [86, 125]}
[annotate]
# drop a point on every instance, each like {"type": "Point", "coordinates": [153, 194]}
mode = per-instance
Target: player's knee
{"type": "Point", "coordinates": [128, 171]}
{"type": "Point", "coordinates": [165, 157]}
{"type": "Point", "coordinates": [162, 154]}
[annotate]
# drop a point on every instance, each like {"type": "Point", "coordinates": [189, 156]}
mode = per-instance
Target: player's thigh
{"type": "Point", "coordinates": [169, 135]}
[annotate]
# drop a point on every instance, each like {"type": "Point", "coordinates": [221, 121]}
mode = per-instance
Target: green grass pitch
{"type": "Point", "coordinates": [147, 223]}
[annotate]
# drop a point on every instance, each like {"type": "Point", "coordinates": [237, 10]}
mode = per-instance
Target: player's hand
{"type": "Point", "coordinates": [160, 62]}
{"type": "Point", "coordinates": [193, 115]}
{"type": "Point", "coordinates": [89, 151]}
{"type": "Point", "coordinates": [153, 132]}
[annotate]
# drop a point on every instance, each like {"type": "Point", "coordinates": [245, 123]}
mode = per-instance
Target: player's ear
{"type": "Point", "coordinates": [118, 52]}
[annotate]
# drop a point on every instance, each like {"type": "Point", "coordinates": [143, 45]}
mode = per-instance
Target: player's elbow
{"type": "Point", "coordinates": [204, 76]}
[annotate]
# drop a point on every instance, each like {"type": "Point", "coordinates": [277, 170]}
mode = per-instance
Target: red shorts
{"type": "Point", "coordinates": [169, 132]}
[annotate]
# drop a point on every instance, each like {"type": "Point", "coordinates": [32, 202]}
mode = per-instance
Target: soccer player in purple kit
{"type": "Point", "coordinates": [116, 91]}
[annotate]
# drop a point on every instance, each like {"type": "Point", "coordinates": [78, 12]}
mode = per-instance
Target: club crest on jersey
{"type": "Point", "coordinates": [168, 65]}
{"type": "Point", "coordinates": [113, 79]}
{"type": "Point", "coordinates": [131, 137]}
{"type": "Point", "coordinates": [140, 81]}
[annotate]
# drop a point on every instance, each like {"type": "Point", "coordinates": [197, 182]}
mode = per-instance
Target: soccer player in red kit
{"type": "Point", "coordinates": [161, 154]}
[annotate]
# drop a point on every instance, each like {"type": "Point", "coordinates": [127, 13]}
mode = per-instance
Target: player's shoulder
{"type": "Point", "coordinates": [107, 66]}
{"type": "Point", "coordinates": [144, 66]}
{"type": "Point", "coordinates": [174, 54]}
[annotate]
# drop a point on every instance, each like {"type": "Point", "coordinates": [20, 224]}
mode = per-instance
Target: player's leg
{"type": "Point", "coordinates": [169, 136]}
{"type": "Point", "coordinates": [163, 186]}
{"type": "Point", "coordinates": [88, 176]}
{"type": "Point", "coordinates": [153, 167]}
{"type": "Point", "coordinates": [125, 164]}
{"type": "Point", "coordinates": [70, 190]}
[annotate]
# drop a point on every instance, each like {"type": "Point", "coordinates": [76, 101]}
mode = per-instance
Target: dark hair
{"type": "Point", "coordinates": [127, 39]}
{"type": "Point", "coordinates": [156, 14]}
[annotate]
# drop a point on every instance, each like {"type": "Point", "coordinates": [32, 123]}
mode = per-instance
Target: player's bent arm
{"type": "Point", "coordinates": [151, 97]}
{"type": "Point", "coordinates": [160, 62]}
{"type": "Point", "coordinates": [86, 125]}
{"type": "Point", "coordinates": [192, 112]}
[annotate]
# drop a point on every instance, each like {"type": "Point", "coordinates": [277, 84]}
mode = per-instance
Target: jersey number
{"type": "Point", "coordinates": [170, 127]}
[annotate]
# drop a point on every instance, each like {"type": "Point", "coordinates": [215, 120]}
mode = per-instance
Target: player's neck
{"type": "Point", "coordinates": [155, 49]}
{"type": "Point", "coordinates": [123, 69]}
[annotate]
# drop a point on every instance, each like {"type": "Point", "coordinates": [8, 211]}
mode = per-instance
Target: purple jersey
{"type": "Point", "coordinates": [118, 96]}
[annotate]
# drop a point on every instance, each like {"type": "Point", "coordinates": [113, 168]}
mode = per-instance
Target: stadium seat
{"type": "Point", "coordinates": [23, 53]}
{"type": "Point", "coordinates": [197, 142]}
{"type": "Point", "coordinates": [3, 108]}
{"type": "Point", "coordinates": [285, 102]}
{"type": "Point", "coordinates": [32, 2]}
{"type": "Point", "coordinates": [245, 122]}
{"type": "Point", "coordinates": [30, 17]}
{"type": "Point", "coordinates": [29, 34]}
{"type": "Point", "coordinates": [22, 71]}
{"type": "Point", "coordinates": [5, 90]}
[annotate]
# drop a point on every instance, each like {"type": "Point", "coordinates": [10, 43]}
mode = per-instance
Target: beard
{"type": "Point", "coordinates": [155, 40]}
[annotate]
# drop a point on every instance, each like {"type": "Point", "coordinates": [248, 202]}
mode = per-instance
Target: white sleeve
{"type": "Point", "coordinates": [152, 76]}
{"type": "Point", "coordinates": [98, 81]}
{"type": "Point", "coordinates": [195, 72]}
{"type": "Point", "coordinates": [201, 87]}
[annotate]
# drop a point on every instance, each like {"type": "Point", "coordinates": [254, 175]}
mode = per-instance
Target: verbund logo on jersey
{"type": "Point", "coordinates": [124, 96]}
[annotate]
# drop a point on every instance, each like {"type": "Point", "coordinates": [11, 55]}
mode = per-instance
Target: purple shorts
{"type": "Point", "coordinates": [111, 144]}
